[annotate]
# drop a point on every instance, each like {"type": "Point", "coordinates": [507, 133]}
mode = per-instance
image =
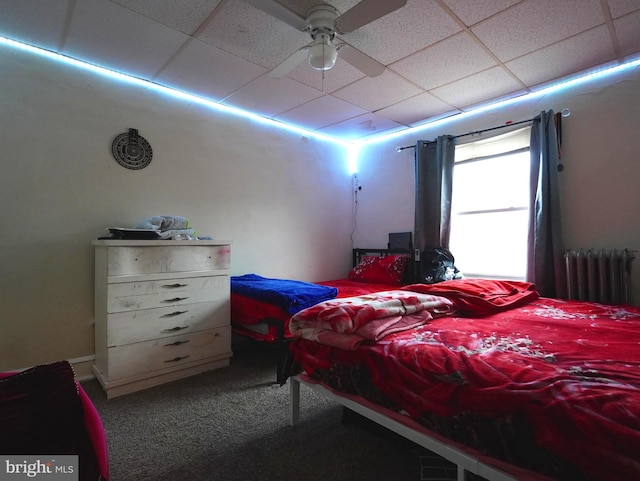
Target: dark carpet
{"type": "Point", "coordinates": [233, 424]}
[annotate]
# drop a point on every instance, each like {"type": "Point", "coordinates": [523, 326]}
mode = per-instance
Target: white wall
{"type": "Point", "coordinates": [283, 199]}
{"type": "Point", "coordinates": [600, 182]}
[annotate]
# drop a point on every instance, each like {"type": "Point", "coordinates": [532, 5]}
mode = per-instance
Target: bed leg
{"type": "Point", "coordinates": [282, 348]}
{"type": "Point", "coordinates": [294, 401]}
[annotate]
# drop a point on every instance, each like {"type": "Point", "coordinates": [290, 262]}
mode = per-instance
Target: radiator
{"type": "Point", "coordinates": [599, 275]}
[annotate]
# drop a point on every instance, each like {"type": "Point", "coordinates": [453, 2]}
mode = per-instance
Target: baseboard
{"type": "Point", "coordinates": [82, 367]}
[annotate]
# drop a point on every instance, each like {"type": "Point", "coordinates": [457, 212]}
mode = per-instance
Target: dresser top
{"type": "Point", "coordinates": [157, 243]}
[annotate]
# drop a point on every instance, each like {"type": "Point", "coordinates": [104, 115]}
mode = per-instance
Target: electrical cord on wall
{"type": "Point", "coordinates": [355, 187]}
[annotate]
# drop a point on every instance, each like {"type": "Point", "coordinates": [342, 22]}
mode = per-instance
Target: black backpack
{"type": "Point", "coordinates": [438, 265]}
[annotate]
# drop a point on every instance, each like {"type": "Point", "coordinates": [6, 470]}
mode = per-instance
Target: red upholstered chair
{"type": "Point", "coordinates": [44, 411]}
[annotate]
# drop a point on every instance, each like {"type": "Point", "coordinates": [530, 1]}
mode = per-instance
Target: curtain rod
{"type": "Point", "coordinates": [564, 112]}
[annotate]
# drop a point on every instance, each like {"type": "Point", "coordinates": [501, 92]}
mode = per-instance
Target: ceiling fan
{"type": "Point", "coordinates": [324, 23]}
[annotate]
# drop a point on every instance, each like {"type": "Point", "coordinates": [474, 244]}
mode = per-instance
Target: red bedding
{"type": "Point", "coordinates": [347, 322]}
{"type": "Point", "coordinates": [248, 315]}
{"type": "Point", "coordinates": [568, 370]}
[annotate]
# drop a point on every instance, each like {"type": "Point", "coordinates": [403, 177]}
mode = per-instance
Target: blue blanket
{"type": "Point", "coordinates": [292, 296]}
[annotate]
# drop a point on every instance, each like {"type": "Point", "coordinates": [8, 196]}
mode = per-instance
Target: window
{"type": "Point", "coordinates": [490, 206]}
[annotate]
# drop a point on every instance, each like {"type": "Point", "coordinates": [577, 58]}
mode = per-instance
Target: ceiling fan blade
{"type": "Point", "coordinates": [366, 12]}
{"type": "Point", "coordinates": [280, 12]}
{"type": "Point", "coordinates": [290, 63]}
{"type": "Point", "coordinates": [360, 60]}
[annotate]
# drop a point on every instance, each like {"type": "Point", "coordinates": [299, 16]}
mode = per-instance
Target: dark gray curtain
{"type": "Point", "coordinates": [434, 177]}
{"type": "Point", "coordinates": [545, 244]}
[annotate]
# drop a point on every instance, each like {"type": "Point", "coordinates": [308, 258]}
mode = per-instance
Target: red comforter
{"type": "Point", "coordinates": [571, 369]}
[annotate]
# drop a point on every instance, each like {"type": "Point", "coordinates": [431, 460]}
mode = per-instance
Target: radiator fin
{"type": "Point", "coordinates": [599, 275]}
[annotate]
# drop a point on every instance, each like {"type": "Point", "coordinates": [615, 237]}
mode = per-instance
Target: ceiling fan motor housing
{"type": "Point", "coordinates": [322, 18]}
{"type": "Point", "coordinates": [323, 53]}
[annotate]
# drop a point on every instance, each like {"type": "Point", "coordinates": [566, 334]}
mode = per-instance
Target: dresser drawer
{"type": "Point", "coordinates": [132, 260]}
{"type": "Point", "coordinates": [133, 296]}
{"type": "Point", "coordinates": [128, 327]}
{"type": "Point", "coordinates": [160, 354]}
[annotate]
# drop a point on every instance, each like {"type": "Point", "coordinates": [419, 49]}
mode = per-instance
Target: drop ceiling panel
{"type": "Point", "coordinates": [415, 26]}
{"type": "Point", "coordinates": [34, 22]}
{"type": "Point", "coordinates": [473, 11]}
{"type": "Point", "coordinates": [575, 54]}
{"type": "Point", "coordinates": [619, 8]}
{"type": "Point", "coordinates": [321, 112]}
{"type": "Point", "coordinates": [249, 33]}
{"type": "Point", "coordinates": [454, 58]}
{"type": "Point", "coordinates": [116, 38]}
{"type": "Point", "coordinates": [489, 84]}
{"type": "Point", "coordinates": [184, 15]}
{"type": "Point", "coordinates": [534, 24]}
{"type": "Point", "coordinates": [628, 30]}
{"type": "Point", "coordinates": [208, 71]}
{"type": "Point", "coordinates": [269, 96]}
{"type": "Point", "coordinates": [414, 109]}
{"type": "Point", "coordinates": [378, 92]}
{"type": "Point", "coordinates": [360, 127]}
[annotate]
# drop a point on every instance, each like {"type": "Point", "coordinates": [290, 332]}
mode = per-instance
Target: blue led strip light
{"type": "Point", "coordinates": [352, 147]}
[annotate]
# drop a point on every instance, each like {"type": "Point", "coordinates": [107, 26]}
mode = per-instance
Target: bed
{"type": "Point", "coordinates": [504, 383]}
{"type": "Point", "coordinates": [261, 306]}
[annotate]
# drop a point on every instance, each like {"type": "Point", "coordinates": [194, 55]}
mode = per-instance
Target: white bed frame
{"type": "Point", "coordinates": [464, 461]}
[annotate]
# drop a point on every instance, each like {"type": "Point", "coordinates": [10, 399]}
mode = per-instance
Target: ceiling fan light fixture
{"type": "Point", "coordinates": [323, 54]}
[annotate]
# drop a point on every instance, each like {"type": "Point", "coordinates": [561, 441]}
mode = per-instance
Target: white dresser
{"type": "Point", "coordinates": [162, 311]}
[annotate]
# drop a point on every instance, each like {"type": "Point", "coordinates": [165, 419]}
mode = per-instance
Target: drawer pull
{"type": "Point", "coordinates": [175, 299]}
{"type": "Point", "coordinates": [174, 329]}
{"type": "Point", "coordinates": [176, 359]}
{"type": "Point", "coordinates": [174, 286]}
{"type": "Point", "coordinates": [174, 314]}
{"type": "Point", "coordinates": [177, 343]}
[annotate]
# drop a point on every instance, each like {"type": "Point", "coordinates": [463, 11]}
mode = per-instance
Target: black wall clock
{"type": "Point", "coordinates": [132, 150]}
